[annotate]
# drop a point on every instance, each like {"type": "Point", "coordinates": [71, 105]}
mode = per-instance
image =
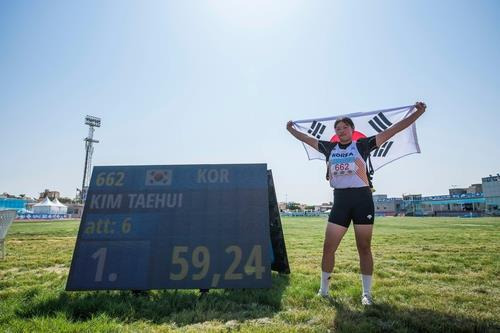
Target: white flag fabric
{"type": "Point", "coordinates": [366, 124]}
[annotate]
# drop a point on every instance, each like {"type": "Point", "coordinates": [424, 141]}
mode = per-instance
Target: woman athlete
{"type": "Point", "coordinates": [352, 195]}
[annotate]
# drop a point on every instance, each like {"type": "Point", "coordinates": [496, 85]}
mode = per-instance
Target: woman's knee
{"type": "Point", "coordinates": [364, 248]}
{"type": "Point", "coordinates": [329, 246]}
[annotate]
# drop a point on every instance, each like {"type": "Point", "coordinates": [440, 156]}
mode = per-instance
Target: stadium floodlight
{"type": "Point", "coordinates": [6, 218]}
{"type": "Point", "coordinates": [93, 121]}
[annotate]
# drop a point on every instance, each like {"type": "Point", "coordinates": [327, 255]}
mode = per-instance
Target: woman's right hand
{"type": "Point", "coordinates": [301, 136]}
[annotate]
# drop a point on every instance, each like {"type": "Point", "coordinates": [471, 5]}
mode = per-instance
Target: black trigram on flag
{"type": "Point", "coordinates": [380, 123]}
{"type": "Point", "coordinates": [316, 129]}
{"type": "Point", "coordinates": [382, 150]}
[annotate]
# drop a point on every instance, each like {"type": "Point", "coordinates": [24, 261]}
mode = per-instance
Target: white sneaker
{"type": "Point", "coordinates": [366, 299]}
{"type": "Point", "coordinates": [322, 293]}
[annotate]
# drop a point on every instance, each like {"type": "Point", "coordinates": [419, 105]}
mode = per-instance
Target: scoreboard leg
{"type": "Point", "coordinates": [280, 263]}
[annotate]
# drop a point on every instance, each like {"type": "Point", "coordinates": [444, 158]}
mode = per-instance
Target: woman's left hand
{"type": "Point", "coordinates": [420, 106]}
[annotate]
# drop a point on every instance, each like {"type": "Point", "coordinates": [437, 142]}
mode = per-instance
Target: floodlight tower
{"type": "Point", "coordinates": [92, 122]}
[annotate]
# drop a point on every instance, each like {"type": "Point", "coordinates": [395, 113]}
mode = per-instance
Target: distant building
{"type": "Point", "coordinates": [457, 191]}
{"type": "Point", "coordinates": [491, 188]}
{"type": "Point", "coordinates": [52, 195]}
{"type": "Point", "coordinates": [444, 205]}
{"type": "Point", "coordinates": [292, 206]}
{"type": "Point", "coordinates": [475, 200]}
{"type": "Point", "coordinates": [13, 203]}
{"type": "Point", "coordinates": [412, 197]}
{"type": "Point", "coordinates": [454, 205]}
{"type": "Point", "coordinates": [412, 204]}
{"type": "Point", "coordinates": [326, 206]}
{"type": "Point", "coordinates": [75, 210]}
{"type": "Point", "coordinates": [475, 188]}
{"type": "Point", "coordinates": [385, 206]}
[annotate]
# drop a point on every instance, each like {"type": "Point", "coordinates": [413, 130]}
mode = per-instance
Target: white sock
{"type": "Point", "coordinates": [325, 281]}
{"type": "Point", "coordinates": [367, 284]}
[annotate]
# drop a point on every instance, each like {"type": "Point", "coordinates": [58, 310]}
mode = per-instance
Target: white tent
{"type": "Point", "coordinates": [46, 207]}
{"type": "Point", "coordinates": [62, 208]}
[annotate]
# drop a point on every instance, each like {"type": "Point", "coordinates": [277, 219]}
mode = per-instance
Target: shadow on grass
{"type": "Point", "coordinates": [382, 317]}
{"type": "Point", "coordinates": [160, 306]}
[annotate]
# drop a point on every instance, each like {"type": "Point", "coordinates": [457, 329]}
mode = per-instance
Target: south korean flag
{"type": "Point", "coordinates": [158, 177]}
{"type": "Point", "coordinates": [366, 124]}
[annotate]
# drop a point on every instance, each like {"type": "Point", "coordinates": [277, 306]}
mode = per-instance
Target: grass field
{"type": "Point", "coordinates": [431, 275]}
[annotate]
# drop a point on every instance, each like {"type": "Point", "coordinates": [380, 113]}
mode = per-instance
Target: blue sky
{"type": "Point", "coordinates": [181, 82]}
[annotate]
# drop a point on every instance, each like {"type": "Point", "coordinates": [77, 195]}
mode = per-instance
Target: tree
{"type": "Point", "coordinates": [65, 200]}
{"type": "Point", "coordinates": [293, 206]}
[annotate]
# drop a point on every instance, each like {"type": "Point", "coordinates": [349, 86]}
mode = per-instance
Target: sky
{"type": "Point", "coordinates": [191, 82]}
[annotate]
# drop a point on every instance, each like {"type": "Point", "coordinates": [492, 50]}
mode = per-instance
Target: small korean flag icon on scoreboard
{"type": "Point", "coordinates": [158, 177]}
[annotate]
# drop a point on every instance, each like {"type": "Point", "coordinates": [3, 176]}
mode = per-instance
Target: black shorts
{"type": "Point", "coordinates": [352, 204]}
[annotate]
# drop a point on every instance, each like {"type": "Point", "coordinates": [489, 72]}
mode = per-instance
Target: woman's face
{"type": "Point", "coordinates": [344, 132]}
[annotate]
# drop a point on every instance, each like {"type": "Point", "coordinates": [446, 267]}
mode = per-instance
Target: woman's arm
{"type": "Point", "coordinates": [301, 136]}
{"type": "Point", "coordinates": [399, 126]}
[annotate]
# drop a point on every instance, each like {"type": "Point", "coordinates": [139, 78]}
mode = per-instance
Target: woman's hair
{"type": "Point", "coordinates": [345, 120]}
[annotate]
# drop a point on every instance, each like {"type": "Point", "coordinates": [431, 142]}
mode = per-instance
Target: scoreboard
{"type": "Point", "coordinates": [174, 226]}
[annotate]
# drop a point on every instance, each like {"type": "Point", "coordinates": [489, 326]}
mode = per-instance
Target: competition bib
{"type": "Point", "coordinates": [342, 166]}
{"type": "Point", "coordinates": [346, 168]}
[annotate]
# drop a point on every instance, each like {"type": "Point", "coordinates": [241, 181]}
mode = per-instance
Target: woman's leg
{"type": "Point", "coordinates": [333, 236]}
{"type": "Point", "coordinates": [363, 233]}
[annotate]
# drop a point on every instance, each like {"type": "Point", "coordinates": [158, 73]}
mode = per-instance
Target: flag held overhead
{"type": "Point", "coordinates": [366, 124]}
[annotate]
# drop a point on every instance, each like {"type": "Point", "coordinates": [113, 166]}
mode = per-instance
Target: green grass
{"type": "Point", "coordinates": [431, 274]}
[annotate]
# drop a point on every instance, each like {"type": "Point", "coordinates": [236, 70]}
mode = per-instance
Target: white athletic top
{"type": "Point", "coordinates": [347, 167]}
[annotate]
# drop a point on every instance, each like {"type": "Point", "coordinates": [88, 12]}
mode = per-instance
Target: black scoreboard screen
{"type": "Point", "coordinates": [174, 226]}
